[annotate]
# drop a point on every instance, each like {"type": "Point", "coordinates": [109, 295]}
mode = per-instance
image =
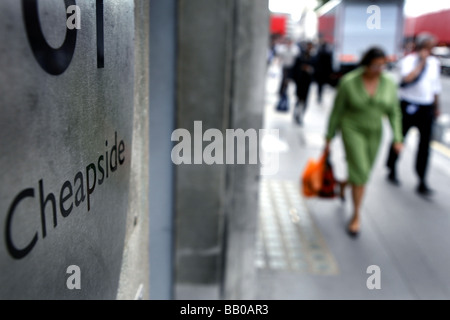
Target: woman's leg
{"type": "Point", "coordinates": [357, 194]}
{"type": "Point", "coordinates": [342, 185]}
{"type": "Point", "coordinates": [358, 159]}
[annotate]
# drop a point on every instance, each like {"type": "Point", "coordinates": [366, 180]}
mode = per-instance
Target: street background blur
{"type": "Point", "coordinates": [303, 251]}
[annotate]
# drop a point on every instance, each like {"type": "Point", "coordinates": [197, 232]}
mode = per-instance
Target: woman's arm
{"type": "Point", "coordinates": [337, 112]}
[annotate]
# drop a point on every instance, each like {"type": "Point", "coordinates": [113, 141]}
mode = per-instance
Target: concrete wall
{"type": "Point", "coordinates": [163, 22]}
{"type": "Point", "coordinates": [61, 203]}
{"type": "Point", "coordinates": [248, 99]}
{"type": "Point", "coordinates": [204, 33]}
{"type": "Point", "coordinates": [221, 65]}
{"type": "Point", "coordinates": [134, 277]}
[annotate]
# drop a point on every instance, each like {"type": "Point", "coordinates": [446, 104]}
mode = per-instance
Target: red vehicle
{"type": "Point", "coordinates": [278, 24]}
{"type": "Point", "coordinates": [437, 24]}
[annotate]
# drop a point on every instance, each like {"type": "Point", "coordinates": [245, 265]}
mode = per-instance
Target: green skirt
{"type": "Point", "coordinates": [361, 148]}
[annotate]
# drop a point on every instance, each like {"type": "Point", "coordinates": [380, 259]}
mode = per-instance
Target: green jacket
{"type": "Point", "coordinates": [353, 105]}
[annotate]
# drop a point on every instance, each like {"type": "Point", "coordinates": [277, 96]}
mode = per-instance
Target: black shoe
{"type": "Point", "coordinates": [352, 233]}
{"type": "Point", "coordinates": [423, 190]}
{"type": "Point", "coordinates": [392, 178]}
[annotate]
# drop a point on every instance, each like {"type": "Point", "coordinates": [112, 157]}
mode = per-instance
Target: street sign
{"type": "Point", "coordinates": [65, 143]}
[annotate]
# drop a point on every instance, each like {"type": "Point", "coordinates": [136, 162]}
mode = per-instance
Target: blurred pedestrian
{"type": "Point", "coordinates": [271, 51]}
{"type": "Point", "coordinates": [286, 53]}
{"type": "Point", "coordinates": [323, 67]}
{"type": "Point", "coordinates": [302, 73]}
{"type": "Point", "coordinates": [409, 47]}
{"type": "Point", "coordinates": [363, 97]}
{"type": "Point", "coordinates": [419, 93]}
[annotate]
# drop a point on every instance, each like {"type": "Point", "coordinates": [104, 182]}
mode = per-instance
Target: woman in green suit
{"type": "Point", "coordinates": [363, 97]}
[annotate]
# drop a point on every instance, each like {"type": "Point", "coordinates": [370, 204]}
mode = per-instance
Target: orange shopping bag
{"type": "Point", "coordinates": [312, 176]}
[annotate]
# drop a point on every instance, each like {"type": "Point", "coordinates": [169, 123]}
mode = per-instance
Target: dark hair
{"type": "Point", "coordinates": [372, 54]}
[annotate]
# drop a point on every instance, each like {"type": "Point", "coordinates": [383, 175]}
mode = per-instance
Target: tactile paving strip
{"type": "Point", "coordinates": [287, 238]}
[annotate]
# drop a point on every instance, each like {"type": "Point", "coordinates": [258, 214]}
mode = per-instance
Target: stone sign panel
{"type": "Point", "coordinates": [66, 123]}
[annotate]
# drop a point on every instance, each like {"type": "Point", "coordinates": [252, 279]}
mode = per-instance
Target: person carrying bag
{"type": "Point", "coordinates": [318, 179]}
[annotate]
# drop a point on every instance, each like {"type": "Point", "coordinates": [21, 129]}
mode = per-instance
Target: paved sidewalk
{"type": "Point", "coordinates": [303, 249]}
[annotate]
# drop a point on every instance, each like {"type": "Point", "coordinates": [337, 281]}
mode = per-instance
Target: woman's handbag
{"type": "Point", "coordinates": [318, 178]}
{"type": "Point", "coordinates": [312, 176]}
{"type": "Point", "coordinates": [328, 189]}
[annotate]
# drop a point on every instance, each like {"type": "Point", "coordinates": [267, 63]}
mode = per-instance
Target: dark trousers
{"type": "Point", "coordinates": [320, 85]}
{"type": "Point", "coordinates": [286, 75]}
{"type": "Point", "coordinates": [423, 120]}
{"type": "Point", "coordinates": [302, 82]}
{"type": "Point", "coordinates": [302, 91]}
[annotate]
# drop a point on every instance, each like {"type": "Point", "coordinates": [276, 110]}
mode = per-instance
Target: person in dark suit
{"type": "Point", "coordinates": [323, 67]}
{"type": "Point", "coordinates": [302, 73]}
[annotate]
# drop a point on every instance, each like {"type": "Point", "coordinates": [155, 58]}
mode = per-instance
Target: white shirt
{"type": "Point", "coordinates": [287, 54]}
{"type": "Point", "coordinates": [429, 84]}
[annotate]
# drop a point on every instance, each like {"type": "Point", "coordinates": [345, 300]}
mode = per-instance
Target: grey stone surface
{"type": "Point", "coordinates": [134, 276]}
{"type": "Point", "coordinates": [202, 89]}
{"type": "Point", "coordinates": [197, 292]}
{"type": "Point", "coordinates": [251, 20]}
{"type": "Point", "coordinates": [221, 83]}
{"type": "Point", "coordinates": [53, 127]}
{"type": "Point", "coordinates": [161, 169]}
